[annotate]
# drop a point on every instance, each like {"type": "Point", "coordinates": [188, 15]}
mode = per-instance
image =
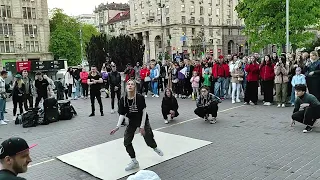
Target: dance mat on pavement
{"type": "Point", "coordinates": [108, 160]}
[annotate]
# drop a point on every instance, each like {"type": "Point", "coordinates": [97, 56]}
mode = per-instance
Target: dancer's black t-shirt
{"type": "Point", "coordinates": [95, 87]}
{"type": "Point", "coordinates": [133, 109]}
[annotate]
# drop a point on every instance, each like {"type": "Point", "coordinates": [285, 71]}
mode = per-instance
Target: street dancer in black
{"type": "Point", "coordinates": [95, 81]}
{"type": "Point", "coordinates": [133, 106]}
{"type": "Point", "coordinates": [114, 79]}
{"type": "Point", "coordinates": [41, 86]}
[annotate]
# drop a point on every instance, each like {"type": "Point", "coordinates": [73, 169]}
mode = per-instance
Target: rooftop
{"type": "Point", "coordinates": [121, 16]}
{"type": "Point", "coordinates": [112, 6]}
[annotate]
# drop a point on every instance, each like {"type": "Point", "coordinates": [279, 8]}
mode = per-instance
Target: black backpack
{"type": "Point", "coordinates": [51, 111]}
{"type": "Point", "coordinates": [67, 111]}
{"type": "Point", "coordinates": [30, 118]}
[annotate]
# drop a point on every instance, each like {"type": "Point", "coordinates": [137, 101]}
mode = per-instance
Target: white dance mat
{"type": "Point", "coordinates": [107, 161]}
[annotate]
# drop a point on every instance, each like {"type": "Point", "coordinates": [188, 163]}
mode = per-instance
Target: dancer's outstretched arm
{"type": "Point", "coordinates": [143, 122]}
{"type": "Point", "coordinates": [121, 118]}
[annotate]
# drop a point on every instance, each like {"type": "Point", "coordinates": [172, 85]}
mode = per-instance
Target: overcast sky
{"type": "Point", "coordinates": [76, 7]}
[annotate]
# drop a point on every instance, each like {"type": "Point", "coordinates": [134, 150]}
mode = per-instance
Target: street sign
{"type": "Point", "coordinates": [23, 65]}
{"type": "Point", "coordinates": [53, 65]}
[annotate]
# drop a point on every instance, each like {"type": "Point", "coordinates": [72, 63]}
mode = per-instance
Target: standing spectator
{"type": "Point", "coordinates": [129, 74]}
{"type": "Point", "coordinates": [41, 86]}
{"type": "Point", "coordinates": [312, 71]}
{"type": "Point", "coordinates": [169, 106]}
{"type": "Point", "coordinates": [181, 78]}
{"type": "Point", "coordinates": [3, 97]}
{"type": "Point", "coordinates": [251, 92]}
{"type": "Point", "coordinates": [50, 87]}
{"type": "Point", "coordinates": [175, 80]}
{"type": "Point", "coordinates": [267, 80]}
{"type": "Point", "coordinates": [104, 75]}
{"type": "Point", "coordinates": [145, 80]}
{"type": "Point", "coordinates": [281, 80]}
{"type": "Point", "coordinates": [154, 75]}
{"type": "Point", "coordinates": [198, 69]}
{"type": "Point", "coordinates": [95, 81]}
{"type": "Point", "coordinates": [114, 79]}
{"type": "Point", "coordinates": [299, 78]}
{"type": "Point", "coordinates": [29, 92]}
{"type": "Point", "coordinates": [137, 70]}
{"type": "Point", "coordinates": [69, 80]}
{"type": "Point", "coordinates": [195, 81]}
{"type": "Point", "coordinates": [228, 84]}
{"type": "Point", "coordinates": [236, 80]}
{"type": "Point", "coordinates": [189, 69]}
{"type": "Point", "coordinates": [84, 82]}
{"type": "Point", "coordinates": [220, 72]}
{"type": "Point", "coordinates": [170, 71]}
{"type": "Point", "coordinates": [60, 89]}
{"type": "Point", "coordinates": [18, 93]}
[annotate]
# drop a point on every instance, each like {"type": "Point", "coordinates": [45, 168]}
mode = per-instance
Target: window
{"type": "Point", "coordinates": [5, 11]}
{"type": "Point", "coordinates": [28, 46]}
{"type": "Point", "coordinates": [184, 30]}
{"type": "Point", "coordinates": [183, 20]}
{"type": "Point", "coordinates": [201, 10]}
{"type": "Point", "coordinates": [228, 22]}
{"type": "Point", "coordinates": [167, 10]}
{"type": "Point", "coordinates": [142, 15]}
{"type": "Point", "coordinates": [30, 29]}
{"type": "Point", "coordinates": [34, 13]}
{"type": "Point", "coordinates": [230, 32]}
{"type": "Point", "coordinates": [210, 21]}
{"type": "Point", "coordinates": [29, 13]}
{"type": "Point", "coordinates": [36, 46]}
{"type": "Point", "coordinates": [7, 46]}
{"type": "Point", "coordinates": [183, 8]}
{"type": "Point", "coordinates": [209, 11]}
{"type": "Point", "coordinates": [159, 11]}
{"type": "Point", "coordinates": [167, 20]}
{"type": "Point", "coordinates": [229, 12]}
{"type": "Point", "coordinates": [239, 31]}
{"type": "Point", "coordinates": [167, 31]}
{"type": "Point", "coordinates": [10, 29]}
{"type": "Point", "coordinates": [192, 9]}
{"type": "Point", "coordinates": [218, 12]}
{"type": "Point", "coordinates": [193, 31]}
{"type": "Point", "coordinates": [32, 46]}
{"type": "Point", "coordinates": [201, 21]}
{"type": "Point", "coordinates": [211, 32]}
{"type": "Point", "coordinates": [24, 13]}
{"type": "Point", "coordinates": [192, 20]}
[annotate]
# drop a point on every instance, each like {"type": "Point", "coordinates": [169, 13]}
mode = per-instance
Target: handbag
{"type": "Point", "coordinates": [147, 79]}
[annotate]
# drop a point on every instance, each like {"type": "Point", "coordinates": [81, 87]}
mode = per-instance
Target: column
{"type": "Point", "coordinates": [152, 48]}
{"type": "Point", "coordinates": [147, 47]}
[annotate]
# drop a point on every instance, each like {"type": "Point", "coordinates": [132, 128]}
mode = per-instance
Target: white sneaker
{"type": "Point", "coordinates": [268, 103]}
{"type": "Point", "coordinates": [279, 105]}
{"type": "Point", "coordinates": [158, 151]}
{"type": "Point", "coordinates": [112, 111]}
{"type": "Point", "coordinates": [145, 96]}
{"type": "Point", "coordinates": [169, 117]}
{"type": "Point", "coordinates": [166, 121]}
{"type": "Point", "coordinates": [132, 165]}
{"type": "Point", "coordinates": [213, 120]}
{"type": "Point", "coordinates": [265, 104]}
{"type": "Point", "coordinates": [6, 120]}
{"type": "Point", "coordinates": [283, 105]}
{"type": "Point", "coordinates": [238, 100]}
{"type": "Point", "coordinates": [233, 101]}
{"type": "Point", "coordinates": [156, 96]}
{"type": "Point", "coordinates": [180, 96]}
{"type": "Point", "coordinates": [176, 95]}
{"type": "Point", "coordinates": [3, 123]}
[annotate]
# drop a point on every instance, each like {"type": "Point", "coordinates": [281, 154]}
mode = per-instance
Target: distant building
{"type": "Point", "coordinates": [105, 12]}
{"type": "Point", "coordinates": [86, 19]}
{"type": "Point", "coordinates": [24, 31]}
{"type": "Point", "coordinates": [119, 24]}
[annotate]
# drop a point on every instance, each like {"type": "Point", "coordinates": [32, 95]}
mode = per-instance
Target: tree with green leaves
{"type": "Point", "coordinates": [65, 37]}
{"type": "Point", "coordinates": [121, 50]}
{"type": "Point", "coordinates": [265, 21]}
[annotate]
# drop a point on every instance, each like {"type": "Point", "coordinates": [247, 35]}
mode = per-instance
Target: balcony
{"type": "Point", "coordinates": [151, 17]}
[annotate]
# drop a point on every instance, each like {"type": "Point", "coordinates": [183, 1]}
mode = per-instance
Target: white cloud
{"type": "Point", "coordinates": [76, 7]}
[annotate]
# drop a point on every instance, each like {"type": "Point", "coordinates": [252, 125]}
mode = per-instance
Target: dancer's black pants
{"type": "Point", "coordinates": [113, 95]}
{"type": "Point", "coordinates": [129, 134]}
{"type": "Point", "coordinates": [93, 95]}
{"type": "Point", "coordinates": [17, 100]}
{"type": "Point", "coordinates": [308, 116]}
{"type": "Point", "coordinates": [203, 111]}
{"type": "Point", "coordinates": [144, 86]}
{"type": "Point", "coordinates": [38, 99]}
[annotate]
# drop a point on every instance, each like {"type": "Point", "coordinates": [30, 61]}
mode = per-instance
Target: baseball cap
{"type": "Point", "coordinates": [13, 146]}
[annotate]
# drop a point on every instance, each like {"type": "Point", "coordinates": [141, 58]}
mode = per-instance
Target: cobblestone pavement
{"type": "Point", "coordinates": [249, 142]}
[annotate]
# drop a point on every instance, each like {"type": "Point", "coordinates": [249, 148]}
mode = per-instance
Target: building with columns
{"type": "Point", "coordinates": [190, 27]}
{"type": "Point", "coordinates": [24, 31]}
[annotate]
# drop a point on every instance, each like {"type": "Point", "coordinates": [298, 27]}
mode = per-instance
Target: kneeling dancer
{"type": "Point", "coordinates": [207, 104]}
{"type": "Point", "coordinates": [133, 106]}
{"type": "Point", "coordinates": [306, 108]}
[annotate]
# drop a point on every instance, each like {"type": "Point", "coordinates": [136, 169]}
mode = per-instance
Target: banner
{"type": "Point", "coordinates": [23, 65]}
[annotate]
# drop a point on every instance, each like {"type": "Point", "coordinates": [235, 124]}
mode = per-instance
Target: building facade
{"type": "Point", "coordinates": [105, 12]}
{"type": "Point", "coordinates": [24, 31]}
{"type": "Point", "coordinates": [86, 19]}
{"type": "Point", "coordinates": [119, 24]}
{"type": "Point", "coordinates": [190, 27]}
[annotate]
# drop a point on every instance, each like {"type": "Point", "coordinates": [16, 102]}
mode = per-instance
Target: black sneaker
{"type": "Point", "coordinates": [206, 118]}
{"type": "Point", "coordinates": [123, 124]}
{"type": "Point", "coordinates": [92, 114]}
{"type": "Point", "coordinates": [102, 114]}
{"type": "Point", "coordinates": [307, 129]}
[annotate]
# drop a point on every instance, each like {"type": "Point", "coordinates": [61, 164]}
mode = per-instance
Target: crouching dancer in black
{"type": "Point", "coordinates": [169, 106]}
{"type": "Point", "coordinates": [133, 106]}
{"type": "Point", "coordinates": [306, 108]}
{"type": "Point", "coordinates": [207, 104]}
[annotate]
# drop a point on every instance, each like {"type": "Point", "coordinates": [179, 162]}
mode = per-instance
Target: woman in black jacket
{"type": "Point", "coordinates": [18, 93]}
{"type": "Point", "coordinates": [169, 106]}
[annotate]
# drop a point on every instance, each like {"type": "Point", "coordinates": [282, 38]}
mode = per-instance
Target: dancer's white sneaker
{"type": "Point", "coordinates": [166, 121]}
{"type": "Point", "coordinates": [158, 151]}
{"type": "Point", "coordinates": [112, 111]}
{"type": "Point", "coordinates": [3, 123]}
{"type": "Point", "coordinates": [134, 164]}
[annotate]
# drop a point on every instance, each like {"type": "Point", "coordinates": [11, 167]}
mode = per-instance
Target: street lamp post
{"type": "Point", "coordinates": [81, 44]}
{"type": "Point", "coordinates": [287, 27]}
{"type": "Point", "coordinates": [161, 6]}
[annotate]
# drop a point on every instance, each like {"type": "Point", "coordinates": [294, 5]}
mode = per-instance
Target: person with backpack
{"type": "Point", "coordinates": [95, 81]}
{"type": "Point", "coordinates": [18, 93]}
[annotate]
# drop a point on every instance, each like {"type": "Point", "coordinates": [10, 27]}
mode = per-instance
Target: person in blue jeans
{"type": "Point", "coordinates": [3, 97]}
{"type": "Point", "coordinates": [154, 75]}
{"type": "Point", "coordinates": [297, 79]}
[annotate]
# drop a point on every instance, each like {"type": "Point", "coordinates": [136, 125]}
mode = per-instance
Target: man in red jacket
{"type": "Point", "coordinates": [220, 71]}
{"type": "Point", "coordinates": [251, 93]}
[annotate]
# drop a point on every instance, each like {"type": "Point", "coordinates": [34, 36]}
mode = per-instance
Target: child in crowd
{"type": "Point", "coordinates": [297, 79]}
{"type": "Point", "coordinates": [195, 79]}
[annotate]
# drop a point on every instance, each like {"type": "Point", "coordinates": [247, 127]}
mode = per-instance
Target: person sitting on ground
{"type": "Point", "coordinates": [306, 108]}
{"type": "Point", "coordinates": [14, 158]}
{"type": "Point", "coordinates": [169, 106]}
{"type": "Point", "coordinates": [207, 104]}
